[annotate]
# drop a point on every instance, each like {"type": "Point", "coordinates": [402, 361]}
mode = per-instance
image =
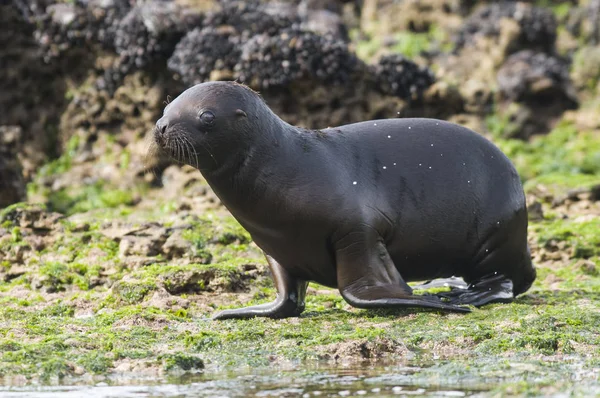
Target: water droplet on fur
{"type": "Point", "coordinates": [384, 167]}
{"type": "Point", "coordinates": [354, 183]}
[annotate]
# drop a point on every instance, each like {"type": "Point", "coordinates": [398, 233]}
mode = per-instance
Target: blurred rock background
{"type": "Point", "coordinates": [84, 81]}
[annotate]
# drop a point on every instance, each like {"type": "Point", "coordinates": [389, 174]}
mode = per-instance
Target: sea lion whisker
{"type": "Point", "coordinates": [192, 150]}
{"type": "Point", "coordinates": [179, 151]}
{"type": "Point", "coordinates": [186, 148]}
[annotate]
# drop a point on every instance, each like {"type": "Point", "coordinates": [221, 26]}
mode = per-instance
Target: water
{"type": "Point", "coordinates": [439, 379]}
{"type": "Point", "coordinates": [334, 382]}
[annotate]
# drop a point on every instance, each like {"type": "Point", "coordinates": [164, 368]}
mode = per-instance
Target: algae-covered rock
{"type": "Point", "coordinates": [584, 21]}
{"type": "Point", "coordinates": [132, 291]}
{"type": "Point", "coordinates": [385, 17]}
{"type": "Point", "coordinates": [586, 68]}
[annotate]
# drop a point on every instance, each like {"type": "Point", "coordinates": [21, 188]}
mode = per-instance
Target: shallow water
{"type": "Point", "coordinates": [439, 379]}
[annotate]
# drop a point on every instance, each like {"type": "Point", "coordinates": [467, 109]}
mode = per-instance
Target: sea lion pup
{"type": "Point", "coordinates": [364, 207]}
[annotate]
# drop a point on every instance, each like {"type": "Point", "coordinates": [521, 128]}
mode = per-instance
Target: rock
{"type": "Point", "coordinates": [12, 184]}
{"type": "Point", "coordinates": [32, 216]}
{"type": "Point", "coordinates": [477, 95]}
{"type": "Point", "coordinates": [535, 211]}
{"type": "Point", "coordinates": [586, 68]}
{"type": "Point", "coordinates": [595, 193]}
{"type": "Point", "coordinates": [145, 36]}
{"type": "Point", "coordinates": [534, 91]}
{"type": "Point", "coordinates": [322, 17]}
{"type": "Point", "coordinates": [584, 22]}
{"type": "Point", "coordinates": [203, 52]}
{"type": "Point", "coordinates": [385, 17]}
{"type": "Point", "coordinates": [163, 300]}
{"type": "Point", "coordinates": [536, 26]}
{"type": "Point", "coordinates": [294, 55]}
{"type": "Point", "coordinates": [176, 245]}
{"type": "Point", "coordinates": [140, 246]}
{"type": "Point", "coordinates": [132, 291]}
{"type": "Point", "coordinates": [399, 76]}
{"type": "Point", "coordinates": [180, 281]}
{"type": "Point", "coordinates": [365, 350]}
{"type": "Point", "coordinates": [587, 266]}
{"type": "Point", "coordinates": [534, 78]}
{"type": "Point", "coordinates": [13, 272]}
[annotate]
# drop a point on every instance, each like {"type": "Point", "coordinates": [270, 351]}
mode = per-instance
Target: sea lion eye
{"type": "Point", "coordinates": [207, 117]}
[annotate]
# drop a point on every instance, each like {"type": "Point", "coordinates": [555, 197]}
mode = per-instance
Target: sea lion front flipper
{"type": "Point", "coordinates": [490, 289]}
{"type": "Point", "coordinates": [368, 278]}
{"type": "Point", "coordinates": [289, 302]}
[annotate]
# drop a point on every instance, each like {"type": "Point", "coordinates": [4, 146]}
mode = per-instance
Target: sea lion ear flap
{"type": "Point", "coordinates": [240, 112]}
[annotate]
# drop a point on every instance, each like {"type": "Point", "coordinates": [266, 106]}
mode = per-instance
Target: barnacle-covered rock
{"type": "Point", "coordinates": [294, 54]}
{"type": "Point", "coordinates": [147, 34]}
{"type": "Point", "coordinates": [536, 78]}
{"type": "Point", "coordinates": [203, 51]}
{"type": "Point", "coordinates": [399, 76]}
{"type": "Point", "coordinates": [537, 26]}
{"type": "Point", "coordinates": [249, 18]}
{"type": "Point", "coordinates": [62, 26]}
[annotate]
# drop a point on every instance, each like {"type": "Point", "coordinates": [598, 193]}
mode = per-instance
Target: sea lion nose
{"type": "Point", "coordinates": [160, 131]}
{"type": "Point", "coordinates": [161, 126]}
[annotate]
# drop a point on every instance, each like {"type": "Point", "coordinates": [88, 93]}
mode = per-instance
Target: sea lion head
{"type": "Point", "coordinates": [209, 122]}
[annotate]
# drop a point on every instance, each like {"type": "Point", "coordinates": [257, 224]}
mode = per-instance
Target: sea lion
{"type": "Point", "coordinates": [364, 207]}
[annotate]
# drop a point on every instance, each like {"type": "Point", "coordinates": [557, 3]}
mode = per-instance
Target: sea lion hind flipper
{"type": "Point", "coordinates": [389, 297]}
{"type": "Point", "coordinates": [291, 293]}
{"type": "Point", "coordinates": [367, 277]}
{"type": "Point", "coordinates": [495, 288]}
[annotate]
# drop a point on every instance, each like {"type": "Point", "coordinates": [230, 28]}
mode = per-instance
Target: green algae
{"type": "Point", "coordinates": [409, 44]}
{"type": "Point", "coordinates": [582, 236]}
{"type": "Point", "coordinates": [565, 151]}
{"type": "Point", "coordinates": [102, 319]}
